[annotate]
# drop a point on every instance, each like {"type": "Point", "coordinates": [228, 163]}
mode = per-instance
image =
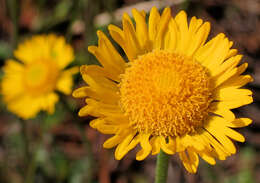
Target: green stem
{"type": "Point", "coordinates": [30, 174]}
{"type": "Point", "coordinates": [26, 140]}
{"type": "Point", "coordinates": [75, 11]}
{"type": "Point", "coordinates": [86, 142]}
{"type": "Point", "coordinates": [13, 8]}
{"type": "Point", "coordinates": [29, 153]}
{"type": "Point", "coordinates": [162, 167]}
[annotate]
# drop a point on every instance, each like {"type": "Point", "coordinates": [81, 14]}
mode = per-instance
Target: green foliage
{"type": "Point", "coordinates": [5, 50]}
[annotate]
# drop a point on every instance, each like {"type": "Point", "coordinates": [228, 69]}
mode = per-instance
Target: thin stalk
{"type": "Point", "coordinates": [13, 10]}
{"type": "Point", "coordinates": [25, 139]}
{"type": "Point", "coordinates": [86, 142]}
{"type": "Point", "coordinates": [161, 167]}
{"type": "Point", "coordinates": [29, 155]}
{"type": "Point", "coordinates": [89, 12]}
{"type": "Point", "coordinates": [75, 11]}
{"type": "Point", "coordinates": [87, 146]}
{"type": "Point", "coordinates": [30, 174]}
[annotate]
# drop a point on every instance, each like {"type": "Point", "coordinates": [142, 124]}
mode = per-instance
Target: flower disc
{"type": "Point", "coordinates": [41, 77]}
{"type": "Point", "coordinates": [166, 94]}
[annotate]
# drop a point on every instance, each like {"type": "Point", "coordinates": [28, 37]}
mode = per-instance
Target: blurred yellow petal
{"type": "Point", "coordinates": [12, 83]}
{"type": "Point", "coordinates": [28, 87]}
{"type": "Point", "coordinates": [65, 81]}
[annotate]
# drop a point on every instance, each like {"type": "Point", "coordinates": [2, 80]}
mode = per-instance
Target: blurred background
{"type": "Point", "coordinates": [62, 148]}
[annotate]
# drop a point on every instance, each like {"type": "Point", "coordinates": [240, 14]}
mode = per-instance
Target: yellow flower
{"type": "Point", "coordinates": [173, 92]}
{"type": "Point", "coordinates": [29, 86]}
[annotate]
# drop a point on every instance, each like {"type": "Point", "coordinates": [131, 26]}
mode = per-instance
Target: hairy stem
{"type": "Point", "coordinates": [161, 167]}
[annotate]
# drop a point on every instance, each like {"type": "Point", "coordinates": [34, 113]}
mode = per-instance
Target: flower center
{"type": "Point", "coordinates": [165, 94]}
{"type": "Point", "coordinates": [40, 77]}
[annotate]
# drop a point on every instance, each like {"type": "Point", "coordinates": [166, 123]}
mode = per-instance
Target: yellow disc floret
{"type": "Point", "coordinates": [40, 77]}
{"type": "Point", "coordinates": [164, 93]}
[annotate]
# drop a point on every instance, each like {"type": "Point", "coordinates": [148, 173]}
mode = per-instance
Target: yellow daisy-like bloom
{"type": "Point", "coordinates": [29, 86]}
{"type": "Point", "coordinates": [174, 92]}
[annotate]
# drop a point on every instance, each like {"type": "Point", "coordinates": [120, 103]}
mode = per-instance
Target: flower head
{"type": "Point", "coordinates": [29, 86]}
{"type": "Point", "coordinates": [174, 92]}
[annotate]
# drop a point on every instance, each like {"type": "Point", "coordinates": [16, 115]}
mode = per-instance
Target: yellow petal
{"type": "Point", "coordinates": [154, 18]}
{"type": "Point", "coordinates": [49, 101]}
{"type": "Point", "coordinates": [200, 143]}
{"type": "Point", "coordinates": [113, 141]}
{"type": "Point", "coordinates": [206, 156]}
{"type": "Point", "coordinates": [162, 28]}
{"type": "Point", "coordinates": [106, 54]}
{"type": "Point", "coordinates": [203, 52]}
{"type": "Point", "coordinates": [224, 94]}
{"type": "Point", "coordinates": [194, 24]}
{"type": "Point", "coordinates": [27, 52]}
{"type": "Point", "coordinates": [12, 82]}
{"type": "Point", "coordinates": [82, 92]}
{"type": "Point", "coordinates": [118, 35]}
{"type": "Point", "coordinates": [169, 147]}
{"type": "Point", "coordinates": [190, 160]}
{"type": "Point", "coordinates": [133, 48]}
{"type": "Point", "coordinates": [123, 148]}
{"type": "Point", "coordinates": [98, 109]}
{"type": "Point", "coordinates": [231, 53]}
{"type": "Point", "coordinates": [233, 134]}
{"type": "Point", "coordinates": [97, 95]}
{"type": "Point", "coordinates": [96, 122]}
{"type": "Point", "coordinates": [103, 126]}
{"type": "Point", "coordinates": [141, 28]}
{"type": "Point", "coordinates": [232, 104]}
{"type": "Point", "coordinates": [237, 81]}
{"type": "Point", "coordinates": [113, 57]}
{"type": "Point", "coordinates": [222, 110]}
{"type": "Point", "coordinates": [96, 80]}
{"type": "Point", "coordinates": [105, 88]}
{"type": "Point", "coordinates": [155, 143]}
{"type": "Point", "coordinates": [198, 39]}
{"type": "Point", "coordinates": [65, 81]}
{"type": "Point", "coordinates": [194, 141]}
{"type": "Point", "coordinates": [171, 36]}
{"type": "Point", "coordinates": [12, 66]}
{"type": "Point", "coordinates": [179, 144]}
{"type": "Point", "coordinates": [32, 105]}
{"type": "Point", "coordinates": [49, 47]}
{"type": "Point", "coordinates": [230, 74]}
{"type": "Point", "coordinates": [227, 65]}
{"type": "Point", "coordinates": [238, 123]}
{"type": "Point", "coordinates": [217, 57]}
{"type": "Point", "coordinates": [181, 20]}
{"type": "Point", "coordinates": [215, 129]}
{"type": "Point", "coordinates": [221, 152]}
{"type": "Point", "coordinates": [101, 72]}
{"type": "Point", "coordinates": [146, 147]}
{"type": "Point", "coordinates": [61, 52]}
